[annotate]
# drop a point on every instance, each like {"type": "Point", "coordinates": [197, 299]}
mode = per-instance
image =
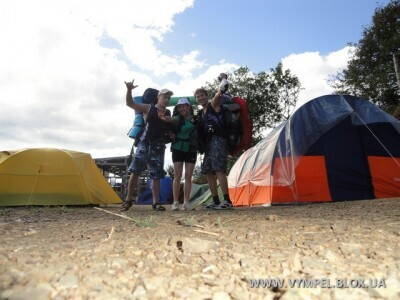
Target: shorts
{"type": "Point", "coordinates": [182, 156]}
{"type": "Point", "coordinates": [215, 156]}
{"type": "Point", "coordinates": [150, 156]}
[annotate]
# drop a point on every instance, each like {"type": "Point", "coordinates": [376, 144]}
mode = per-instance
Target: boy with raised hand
{"type": "Point", "coordinates": [151, 147]}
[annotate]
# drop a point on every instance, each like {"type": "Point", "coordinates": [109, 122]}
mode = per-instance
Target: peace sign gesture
{"type": "Point", "coordinates": [130, 85]}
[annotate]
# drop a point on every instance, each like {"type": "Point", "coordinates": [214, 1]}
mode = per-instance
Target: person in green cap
{"type": "Point", "coordinates": [184, 150]}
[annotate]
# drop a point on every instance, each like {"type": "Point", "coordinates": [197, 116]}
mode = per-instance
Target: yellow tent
{"type": "Point", "coordinates": [52, 177]}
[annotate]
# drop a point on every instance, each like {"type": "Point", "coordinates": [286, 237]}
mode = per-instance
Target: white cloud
{"type": "Point", "coordinates": [188, 84]}
{"type": "Point", "coordinates": [314, 69]}
{"type": "Point", "coordinates": [60, 88]}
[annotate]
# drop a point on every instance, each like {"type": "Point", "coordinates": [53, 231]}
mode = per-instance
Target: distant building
{"type": "Point", "coordinates": [115, 170]}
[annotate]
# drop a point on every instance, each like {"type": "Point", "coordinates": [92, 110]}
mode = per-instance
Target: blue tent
{"type": "Point", "coordinates": [145, 198]}
{"type": "Point", "coordinates": [333, 148]}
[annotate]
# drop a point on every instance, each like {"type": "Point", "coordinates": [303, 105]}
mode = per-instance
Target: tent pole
{"type": "Point", "coordinates": [396, 112]}
{"type": "Point", "coordinates": [396, 69]}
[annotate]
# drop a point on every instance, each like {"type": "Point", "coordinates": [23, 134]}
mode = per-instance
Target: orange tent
{"type": "Point", "coordinates": [333, 148]}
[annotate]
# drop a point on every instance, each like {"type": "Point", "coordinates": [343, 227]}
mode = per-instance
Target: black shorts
{"type": "Point", "coordinates": [181, 156]}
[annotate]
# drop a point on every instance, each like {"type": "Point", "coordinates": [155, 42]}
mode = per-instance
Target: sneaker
{"type": "Point", "coordinates": [185, 206]}
{"type": "Point", "coordinates": [224, 205]}
{"type": "Point", "coordinates": [175, 206]}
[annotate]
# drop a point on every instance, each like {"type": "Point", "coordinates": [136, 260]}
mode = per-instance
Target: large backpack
{"type": "Point", "coordinates": [137, 129]}
{"type": "Point", "coordinates": [193, 138]}
{"type": "Point", "coordinates": [238, 125]}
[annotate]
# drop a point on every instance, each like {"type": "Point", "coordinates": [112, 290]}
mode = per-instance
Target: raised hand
{"type": "Point", "coordinates": [130, 85]}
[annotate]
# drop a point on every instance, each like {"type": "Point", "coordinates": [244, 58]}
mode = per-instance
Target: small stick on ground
{"type": "Point", "coordinates": [276, 248]}
{"type": "Point", "coordinates": [206, 232]}
{"type": "Point", "coordinates": [188, 224]}
{"type": "Point", "coordinates": [337, 240]}
{"type": "Point", "coordinates": [228, 221]}
{"type": "Point", "coordinates": [115, 214]}
{"type": "Point", "coordinates": [109, 235]}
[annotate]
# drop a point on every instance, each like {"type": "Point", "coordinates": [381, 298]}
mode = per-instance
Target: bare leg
{"type": "Point", "coordinates": [178, 166]}
{"type": "Point", "coordinates": [188, 181]}
{"type": "Point", "coordinates": [132, 187]}
{"type": "Point", "coordinates": [223, 182]}
{"type": "Point", "coordinates": [155, 188]}
{"type": "Point", "coordinates": [132, 191]}
{"type": "Point", "coordinates": [212, 183]}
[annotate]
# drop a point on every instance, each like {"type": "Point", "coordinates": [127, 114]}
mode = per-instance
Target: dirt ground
{"type": "Point", "coordinates": [85, 253]}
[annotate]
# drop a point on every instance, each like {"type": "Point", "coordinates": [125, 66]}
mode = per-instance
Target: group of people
{"type": "Point", "coordinates": [189, 135]}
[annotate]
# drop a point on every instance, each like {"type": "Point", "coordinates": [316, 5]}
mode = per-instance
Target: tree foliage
{"type": "Point", "coordinates": [271, 96]}
{"type": "Point", "coordinates": [370, 73]}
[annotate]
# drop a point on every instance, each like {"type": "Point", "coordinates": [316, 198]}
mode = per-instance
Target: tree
{"type": "Point", "coordinates": [371, 72]}
{"type": "Point", "coordinates": [271, 96]}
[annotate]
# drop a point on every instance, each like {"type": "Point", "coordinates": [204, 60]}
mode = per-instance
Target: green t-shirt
{"type": "Point", "coordinates": [186, 137]}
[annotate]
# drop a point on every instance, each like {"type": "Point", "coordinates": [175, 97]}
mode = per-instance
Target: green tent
{"type": "Point", "coordinates": [201, 195]}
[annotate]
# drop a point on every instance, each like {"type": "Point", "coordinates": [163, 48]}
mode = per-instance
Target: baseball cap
{"type": "Point", "coordinates": [183, 101]}
{"type": "Point", "coordinates": [165, 91]}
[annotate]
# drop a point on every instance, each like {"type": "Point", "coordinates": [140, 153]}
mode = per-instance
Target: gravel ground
{"type": "Point", "coordinates": [85, 253]}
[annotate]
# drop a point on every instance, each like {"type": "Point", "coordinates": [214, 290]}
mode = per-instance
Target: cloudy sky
{"type": "Point", "coordinates": [63, 63]}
